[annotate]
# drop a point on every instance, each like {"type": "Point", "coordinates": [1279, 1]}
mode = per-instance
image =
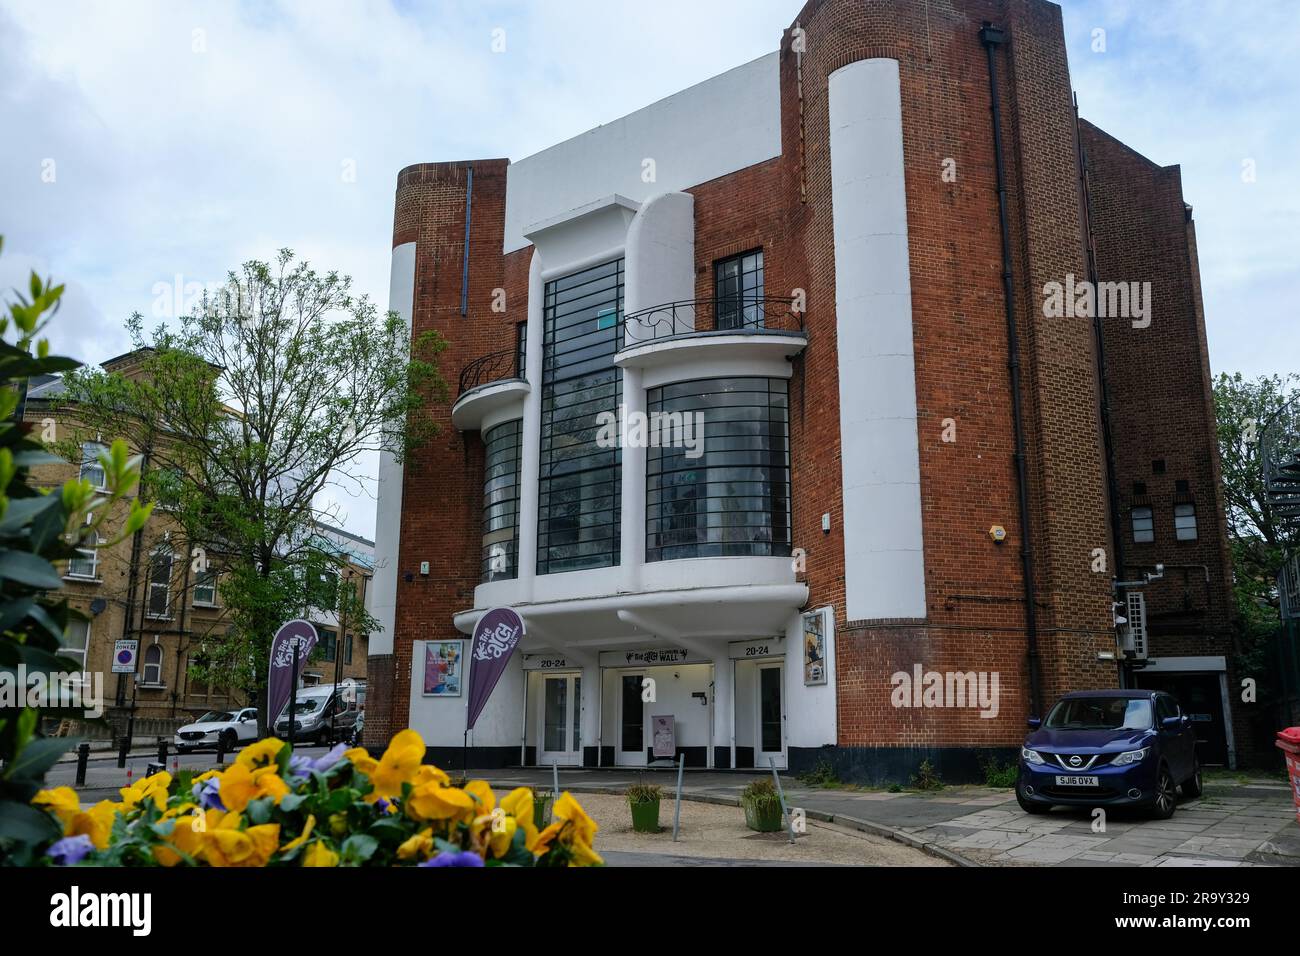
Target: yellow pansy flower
{"type": "Point", "coordinates": [568, 809]}
{"type": "Point", "coordinates": [417, 847]}
{"type": "Point", "coordinates": [362, 760]}
{"type": "Point", "coordinates": [228, 846]}
{"type": "Point", "coordinates": [428, 773]}
{"type": "Point", "coordinates": [151, 788]}
{"type": "Point", "coordinates": [237, 788]}
{"type": "Point", "coordinates": [187, 836]}
{"type": "Point", "coordinates": [482, 791]}
{"type": "Point", "coordinates": [584, 855]}
{"type": "Point", "coordinates": [261, 754]}
{"type": "Point", "coordinates": [519, 804]}
{"type": "Point", "coordinates": [318, 854]}
{"type": "Point", "coordinates": [500, 837]}
{"type": "Point", "coordinates": [96, 823]}
{"type": "Point", "coordinates": [63, 802]}
{"type": "Point", "coordinates": [338, 823]}
{"type": "Point", "coordinates": [270, 784]}
{"type": "Point", "coordinates": [429, 801]}
{"type": "Point", "coordinates": [301, 838]}
{"type": "Point", "coordinates": [397, 766]}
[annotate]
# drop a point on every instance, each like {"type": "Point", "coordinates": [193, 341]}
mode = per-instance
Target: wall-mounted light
{"type": "Point", "coordinates": [826, 523]}
{"type": "Point", "coordinates": [998, 533]}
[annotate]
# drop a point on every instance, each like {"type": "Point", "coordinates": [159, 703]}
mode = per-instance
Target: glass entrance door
{"type": "Point", "coordinates": [770, 731]}
{"type": "Point", "coordinates": [631, 721]}
{"type": "Point", "coordinates": [560, 720]}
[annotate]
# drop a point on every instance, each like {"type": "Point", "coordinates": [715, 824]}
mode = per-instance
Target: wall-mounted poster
{"type": "Point", "coordinates": [442, 668]}
{"type": "Point", "coordinates": [814, 648]}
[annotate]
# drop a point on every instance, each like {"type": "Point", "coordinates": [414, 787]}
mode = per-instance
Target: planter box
{"type": "Point", "coordinates": [765, 818]}
{"type": "Point", "coordinates": [645, 817]}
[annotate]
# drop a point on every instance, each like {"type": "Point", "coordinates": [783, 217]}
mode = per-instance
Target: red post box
{"type": "Point", "coordinates": [1288, 741]}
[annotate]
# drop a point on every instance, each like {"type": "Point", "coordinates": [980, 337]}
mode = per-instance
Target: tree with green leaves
{"type": "Point", "coordinates": [246, 410]}
{"type": "Point", "coordinates": [1258, 538]}
{"type": "Point", "coordinates": [39, 531]}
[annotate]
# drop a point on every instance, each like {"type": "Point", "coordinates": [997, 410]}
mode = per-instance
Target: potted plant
{"type": "Point", "coordinates": [644, 799]}
{"type": "Point", "coordinates": [542, 808]}
{"type": "Point", "coordinates": [762, 806]}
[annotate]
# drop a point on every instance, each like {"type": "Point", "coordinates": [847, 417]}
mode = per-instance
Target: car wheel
{"type": "Point", "coordinates": [230, 740]}
{"type": "Point", "coordinates": [1166, 799]}
{"type": "Point", "coordinates": [182, 750]}
{"type": "Point", "coordinates": [1030, 806]}
{"type": "Point", "coordinates": [1193, 786]}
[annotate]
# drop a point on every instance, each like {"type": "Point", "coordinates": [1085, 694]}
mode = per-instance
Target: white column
{"type": "Point", "coordinates": [724, 709]}
{"type": "Point", "coordinates": [388, 518]}
{"type": "Point", "coordinates": [632, 527]}
{"type": "Point", "coordinates": [530, 453]}
{"type": "Point", "coordinates": [884, 564]}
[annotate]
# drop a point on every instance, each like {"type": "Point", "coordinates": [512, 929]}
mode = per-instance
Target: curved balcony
{"type": "Point", "coordinates": [489, 385]}
{"type": "Point", "coordinates": [703, 331]}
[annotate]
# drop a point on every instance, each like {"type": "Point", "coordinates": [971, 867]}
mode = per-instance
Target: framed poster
{"type": "Point", "coordinates": [665, 736]}
{"type": "Point", "coordinates": [814, 648]}
{"type": "Point", "coordinates": [442, 668]}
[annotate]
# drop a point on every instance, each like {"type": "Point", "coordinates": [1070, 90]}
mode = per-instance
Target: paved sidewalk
{"type": "Point", "coordinates": [1230, 825]}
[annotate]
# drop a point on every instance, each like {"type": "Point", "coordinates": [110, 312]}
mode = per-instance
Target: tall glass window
{"type": "Point", "coordinates": [738, 288]}
{"type": "Point", "coordinates": [721, 485]}
{"type": "Point", "coordinates": [578, 488]}
{"type": "Point", "coordinates": [501, 501]}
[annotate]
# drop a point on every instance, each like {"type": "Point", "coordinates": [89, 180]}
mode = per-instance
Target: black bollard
{"type": "Point", "coordinates": [221, 749]}
{"type": "Point", "coordinates": [162, 751]}
{"type": "Point", "coordinates": [123, 744]}
{"type": "Point", "coordinates": [83, 755]}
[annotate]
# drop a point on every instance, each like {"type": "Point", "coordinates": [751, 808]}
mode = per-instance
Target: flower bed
{"type": "Point", "coordinates": [273, 808]}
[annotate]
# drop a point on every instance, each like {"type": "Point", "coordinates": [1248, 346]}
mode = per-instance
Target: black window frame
{"type": "Point", "coordinates": [733, 306]}
{"type": "Point", "coordinates": [502, 471]}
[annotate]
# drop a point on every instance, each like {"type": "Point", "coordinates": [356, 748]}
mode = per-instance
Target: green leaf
{"type": "Point", "coordinates": [24, 510]}
{"type": "Point", "coordinates": [29, 569]}
{"type": "Point", "coordinates": [292, 802]}
{"type": "Point", "coordinates": [259, 811]}
{"type": "Point", "coordinates": [358, 848]}
{"type": "Point", "coordinates": [30, 763]}
{"type": "Point", "coordinates": [26, 824]}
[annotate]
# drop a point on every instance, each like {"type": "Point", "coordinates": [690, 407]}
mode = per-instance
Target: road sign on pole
{"type": "Point", "coordinates": [124, 656]}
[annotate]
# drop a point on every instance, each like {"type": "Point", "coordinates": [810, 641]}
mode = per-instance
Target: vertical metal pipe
{"type": "Point", "coordinates": [992, 38]}
{"type": "Point", "coordinates": [677, 812]}
{"type": "Point", "coordinates": [785, 812]}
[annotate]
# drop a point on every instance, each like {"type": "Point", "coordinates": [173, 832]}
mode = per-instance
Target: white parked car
{"type": "Point", "coordinates": [235, 727]}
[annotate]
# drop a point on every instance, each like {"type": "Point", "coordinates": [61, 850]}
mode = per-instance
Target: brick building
{"type": "Point", "coordinates": [148, 588]}
{"type": "Point", "coordinates": [806, 254]}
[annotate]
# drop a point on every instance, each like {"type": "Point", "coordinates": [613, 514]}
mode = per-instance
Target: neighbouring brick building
{"type": "Point", "coordinates": [807, 254]}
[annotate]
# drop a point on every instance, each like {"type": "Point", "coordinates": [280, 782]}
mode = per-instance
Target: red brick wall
{"type": "Point", "coordinates": [975, 608]}
{"type": "Point", "coordinates": [1162, 401]}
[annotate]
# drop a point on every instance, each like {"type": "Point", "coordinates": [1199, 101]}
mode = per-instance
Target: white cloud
{"type": "Point", "coordinates": [173, 160]}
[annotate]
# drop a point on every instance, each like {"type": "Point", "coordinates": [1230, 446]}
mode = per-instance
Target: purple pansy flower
{"type": "Point", "coordinates": [70, 850]}
{"type": "Point", "coordinates": [323, 763]}
{"type": "Point", "coordinates": [208, 794]}
{"type": "Point", "coordinates": [465, 858]}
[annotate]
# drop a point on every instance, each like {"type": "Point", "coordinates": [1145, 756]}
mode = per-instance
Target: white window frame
{"type": "Point", "coordinates": [152, 584]}
{"type": "Point", "coordinates": [211, 602]}
{"type": "Point", "coordinates": [1188, 510]}
{"type": "Point", "coordinates": [144, 674]}
{"type": "Point", "coordinates": [90, 451]}
{"type": "Point", "coordinates": [76, 653]}
{"type": "Point", "coordinates": [93, 556]}
{"type": "Point", "coordinates": [1133, 524]}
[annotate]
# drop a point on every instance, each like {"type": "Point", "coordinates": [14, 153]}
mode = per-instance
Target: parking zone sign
{"type": "Point", "coordinates": [124, 653]}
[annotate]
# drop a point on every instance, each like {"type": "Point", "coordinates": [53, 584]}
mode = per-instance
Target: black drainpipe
{"type": "Point", "coordinates": [992, 38]}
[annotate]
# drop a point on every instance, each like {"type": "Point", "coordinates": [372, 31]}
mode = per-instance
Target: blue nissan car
{"type": "Point", "coordinates": [1110, 748]}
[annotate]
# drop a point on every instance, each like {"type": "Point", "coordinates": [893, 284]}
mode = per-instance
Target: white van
{"type": "Point", "coordinates": [316, 706]}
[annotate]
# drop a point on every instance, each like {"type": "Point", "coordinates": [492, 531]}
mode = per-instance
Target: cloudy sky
{"type": "Point", "coordinates": [151, 142]}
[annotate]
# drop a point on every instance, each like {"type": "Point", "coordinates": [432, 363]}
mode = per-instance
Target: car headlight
{"type": "Point", "coordinates": [1132, 756]}
{"type": "Point", "coordinates": [1031, 756]}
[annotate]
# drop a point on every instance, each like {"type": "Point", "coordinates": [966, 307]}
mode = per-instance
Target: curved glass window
{"type": "Point", "coordinates": [718, 469]}
{"type": "Point", "coordinates": [579, 494]}
{"type": "Point", "coordinates": [501, 501]}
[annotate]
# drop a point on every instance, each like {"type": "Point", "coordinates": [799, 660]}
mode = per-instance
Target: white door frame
{"type": "Point", "coordinates": [761, 755]}
{"type": "Point", "coordinates": [627, 758]}
{"type": "Point", "coordinates": [573, 709]}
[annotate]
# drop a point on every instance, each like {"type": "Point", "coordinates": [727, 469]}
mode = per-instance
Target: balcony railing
{"type": "Point", "coordinates": [493, 367]}
{"type": "Point", "coordinates": [1280, 453]}
{"type": "Point", "coordinates": [730, 315]}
